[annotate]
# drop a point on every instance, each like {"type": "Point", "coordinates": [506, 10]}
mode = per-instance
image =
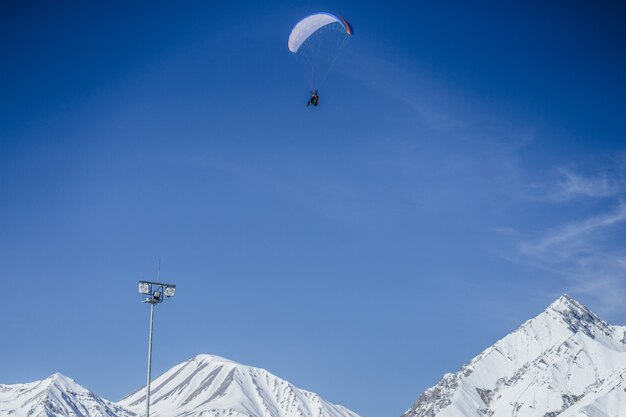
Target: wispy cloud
{"type": "Point", "coordinates": [590, 251]}
{"type": "Point", "coordinates": [571, 185]}
{"type": "Point", "coordinates": [574, 238]}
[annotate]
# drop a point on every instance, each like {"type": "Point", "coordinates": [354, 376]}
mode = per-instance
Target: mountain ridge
{"type": "Point", "coordinates": [204, 386]}
{"type": "Point", "coordinates": [54, 396]}
{"type": "Point", "coordinates": [547, 366]}
{"type": "Point", "coordinates": [208, 385]}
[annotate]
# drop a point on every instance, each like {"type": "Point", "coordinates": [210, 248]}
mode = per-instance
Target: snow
{"type": "Point", "coordinates": [204, 386]}
{"type": "Point", "coordinates": [566, 362]}
{"type": "Point", "coordinates": [210, 386]}
{"type": "Point", "coordinates": [55, 396]}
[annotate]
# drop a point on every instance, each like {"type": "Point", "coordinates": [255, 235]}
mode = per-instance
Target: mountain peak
{"type": "Point", "coordinates": [566, 361]}
{"type": "Point", "coordinates": [566, 302]}
{"type": "Point", "coordinates": [56, 396]}
{"type": "Point", "coordinates": [205, 357]}
{"type": "Point", "coordinates": [577, 316]}
{"type": "Point", "coordinates": [59, 383]}
{"type": "Point", "coordinates": [57, 376]}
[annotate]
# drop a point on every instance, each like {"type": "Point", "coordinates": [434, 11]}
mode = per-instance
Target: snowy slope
{"type": "Point", "coordinates": [56, 396]}
{"type": "Point", "coordinates": [210, 386]}
{"type": "Point", "coordinates": [565, 362]}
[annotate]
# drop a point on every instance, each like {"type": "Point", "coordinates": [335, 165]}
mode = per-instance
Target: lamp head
{"type": "Point", "coordinates": [144, 287]}
{"type": "Point", "coordinates": [169, 291]}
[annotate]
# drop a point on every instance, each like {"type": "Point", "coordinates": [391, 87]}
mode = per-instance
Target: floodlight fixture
{"type": "Point", "coordinates": [144, 287]}
{"type": "Point", "coordinates": [153, 292]}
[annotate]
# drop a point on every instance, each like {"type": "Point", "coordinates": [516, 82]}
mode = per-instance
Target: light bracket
{"type": "Point", "coordinates": [153, 292]}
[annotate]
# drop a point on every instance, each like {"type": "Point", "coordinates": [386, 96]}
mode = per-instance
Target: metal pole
{"type": "Point", "coordinates": [149, 361]}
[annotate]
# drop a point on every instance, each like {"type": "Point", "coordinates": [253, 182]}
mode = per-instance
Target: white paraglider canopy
{"type": "Point", "coordinates": [310, 24]}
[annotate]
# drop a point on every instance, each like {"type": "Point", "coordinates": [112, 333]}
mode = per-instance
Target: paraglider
{"type": "Point", "coordinates": [314, 99]}
{"type": "Point", "coordinates": [318, 40]}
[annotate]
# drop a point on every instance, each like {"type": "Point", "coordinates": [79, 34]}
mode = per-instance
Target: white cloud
{"type": "Point", "coordinates": [572, 185]}
{"type": "Point", "coordinates": [585, 243]}
{"type": "Point", "coordinates": [589, 253]}
{"type": "Point", "coordinates": [574, 237]}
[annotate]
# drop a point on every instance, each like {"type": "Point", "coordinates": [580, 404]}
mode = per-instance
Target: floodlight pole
{"type": "Point", "coordinates": [149, 361]}
{"type": "Point", "coordinates": [153, 293]}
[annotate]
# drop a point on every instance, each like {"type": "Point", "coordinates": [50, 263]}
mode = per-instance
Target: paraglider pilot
{"type": "Point", "coordinates": [314, 98]}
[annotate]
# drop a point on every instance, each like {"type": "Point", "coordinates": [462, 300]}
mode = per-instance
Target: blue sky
{"type": "Point", "coordinates": [465, 167]}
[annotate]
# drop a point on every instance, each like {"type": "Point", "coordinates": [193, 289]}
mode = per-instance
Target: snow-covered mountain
{"type": "Point", "coordinates": [210, 386]}
{"type": "Point", "coordinates": [55, 396]}
{"type": "Point", "coordinates": [565, 362]}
